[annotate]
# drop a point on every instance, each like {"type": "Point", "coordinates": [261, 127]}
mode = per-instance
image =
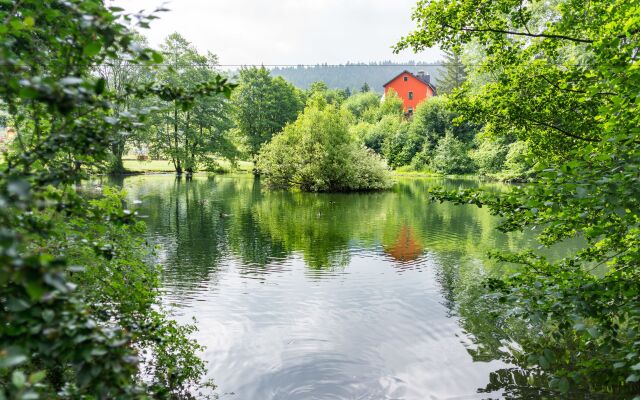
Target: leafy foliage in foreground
{"type": "Point", "coordinates": [79, 306]}
{"type": "Point", "coordinates": [566, 80]}
{"type": "Point", "coordinates": [317, 153]}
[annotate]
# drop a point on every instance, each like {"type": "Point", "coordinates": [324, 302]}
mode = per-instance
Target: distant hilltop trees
{"type": "Point", "coordinates": [353, 76]}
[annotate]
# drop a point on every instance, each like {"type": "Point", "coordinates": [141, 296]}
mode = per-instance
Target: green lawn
{"type": "Point", "coordinates": [133, 165]}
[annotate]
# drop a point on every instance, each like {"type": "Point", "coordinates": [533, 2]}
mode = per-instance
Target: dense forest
{"type": "Point", "coordinates": [353, 75]}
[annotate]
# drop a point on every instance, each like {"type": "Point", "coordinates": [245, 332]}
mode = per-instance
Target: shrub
{"type": "Point", "coordinates": [391, 105]}
{"type": "Point", "coordinates": [435, 117]}
{"type": "Point", "coordinates": [400, 146]}
{"type": "Point", "coordinates": [376, 135]}
{"type": "Point", "coordinates": [490, 156]}
{"type": "Point", "coordinates": [317, 153]}
{"type": "Point", "coordinates": [451, 157]}
{"type": "Point", "coordinates": [518, 164]}
{"type": "Point", "coordinates": [422, 160]}
{"type": "Point", "coordinates": [362, 105]}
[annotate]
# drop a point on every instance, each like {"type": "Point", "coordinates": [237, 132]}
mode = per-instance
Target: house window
{"type": "Point", "coordinates": [406, 78]}
{"type": "Point", "coordinates": [410, 111]}
{"type": "Point", "coordinates": [410, 95]}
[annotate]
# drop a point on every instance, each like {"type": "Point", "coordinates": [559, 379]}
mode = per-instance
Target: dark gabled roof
{"type": "Point", "coordinates": [415, 76]}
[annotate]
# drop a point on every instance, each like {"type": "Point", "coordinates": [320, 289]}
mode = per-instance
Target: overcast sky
{"type": "Point", "coordinates": [287, 31]}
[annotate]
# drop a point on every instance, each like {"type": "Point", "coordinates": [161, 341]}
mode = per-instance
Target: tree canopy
{"type": "Point", "coordinates": [189, 137]}
{"type": "Point", "coordinates": [454, 72]}
{"type": "Point", "coordinates": [561, 77]}
{"type": "Point", "coordinates": [317, 153]}
{"type": "Point", "coordinates": [262, 106]}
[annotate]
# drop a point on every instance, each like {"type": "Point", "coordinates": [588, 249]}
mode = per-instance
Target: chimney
{"type": "Point", "coordinates": [424, 77]}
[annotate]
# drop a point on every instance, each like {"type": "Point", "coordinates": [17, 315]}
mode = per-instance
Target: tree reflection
{"type": "Point", "coordinates": [202, 221]}
{"type": "Point", "coordinates": [206, 224]}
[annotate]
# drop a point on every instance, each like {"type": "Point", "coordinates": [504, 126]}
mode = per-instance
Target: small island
{"type": "Point", "coordinates": [317, 153]}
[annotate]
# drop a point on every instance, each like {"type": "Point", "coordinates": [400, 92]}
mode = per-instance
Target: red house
{"type": "Point", "coordinates": [412, 89]}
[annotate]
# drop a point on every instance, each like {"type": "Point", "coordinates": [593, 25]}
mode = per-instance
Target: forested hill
{"type": "Point", "coordinates": [352, 75]}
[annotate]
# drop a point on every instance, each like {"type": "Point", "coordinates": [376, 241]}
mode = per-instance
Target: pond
{"type": "Point", "coordinates": [326, 296]}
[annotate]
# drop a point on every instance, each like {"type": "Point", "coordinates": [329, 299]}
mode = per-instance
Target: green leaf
{"type": "Point", "coordinates": [28, 92]}
{"type": "Point", "coordinates": [633, 378]}
{"type": "Point", "coordinates": [17, 305]}
{"type": "Point", "coordinates": [97, 352]}
{"type": "Point", "coordinates": [544, 363]}
{"type": "Point", "coordinates": [35, 290]}
{"type": "Point", "coordinates": [29, 395]}
{"type": "Point", "coordinates": [92, 49]}
{"type": "Point", "coordinates": [12, 358]}
{"type": "Point", "coordinates": [157, 57]}
{"type": "Point", "coordinates": [18, 379]}
{"type": "Point", "coordinates": [563, 385]}
{"type": "Point", "coordinates": [37, 376]}
{"type": "Point", "coordinates": [100, 85]}
{"type": "Point", "coordinates": [48, 315]}
{"type": "Point", "coordinates": [16, 24]}
{"type": "Point", "coordinates": [29, 22]}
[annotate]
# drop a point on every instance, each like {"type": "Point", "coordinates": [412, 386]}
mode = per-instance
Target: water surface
{"type": "Point", "coordinates": [324, 296]}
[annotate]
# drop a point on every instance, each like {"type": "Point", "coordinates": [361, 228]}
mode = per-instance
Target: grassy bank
{"type": "Point", "coordinates": [160, 166]}
{"type": "Point", "coordinates": [427, 174]}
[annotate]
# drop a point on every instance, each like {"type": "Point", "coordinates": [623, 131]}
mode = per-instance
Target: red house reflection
{"type": "Point", "coordinates": [406, 246]}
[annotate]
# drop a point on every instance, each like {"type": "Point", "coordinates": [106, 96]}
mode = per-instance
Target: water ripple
{"type": "Point", "coordinates": [320, 296]}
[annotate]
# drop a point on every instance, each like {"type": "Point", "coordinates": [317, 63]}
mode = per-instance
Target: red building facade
{"type": "Point", "coordinates": [412, 89]}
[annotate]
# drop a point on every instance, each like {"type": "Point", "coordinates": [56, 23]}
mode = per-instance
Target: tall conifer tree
{"type": "Point", "coordinates": [454, 73]}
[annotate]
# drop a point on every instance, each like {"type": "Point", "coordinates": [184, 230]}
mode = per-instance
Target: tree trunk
{"type": "Point", "coordinates": [176, 158]}
{"type": "Point", "coordinates": [117, 166]}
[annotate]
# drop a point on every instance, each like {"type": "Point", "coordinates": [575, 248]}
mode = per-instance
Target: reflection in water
{"type": "Point", "coordinates": [321, 296]}
{"type": "Point", "coordinates": [406, 246]}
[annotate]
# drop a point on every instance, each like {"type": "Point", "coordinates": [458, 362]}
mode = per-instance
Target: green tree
{"type": "Point", "coordinates": [317, 153]}
{"type": "Point", "coordinates": [399, 145]}
{"type": "Point", "coordinates": [363, 106]}
{"type": "Point", "coordinates": [332, 96]}
{"type": "Point", "coordinates": [490, 155]}
{"type": "Point", "coordinates": [454, 73]}
{"type": "Point", "coordinates": [518, 163]}
{"type": "Point", "coordinates": [78, 303]}
{"type": "Point", "coordinates": [451, 156]}
{"type": "Point", "coordinates": [365, 88]}
{"type": "Point", "coordinates": [118, 75]}
{"type": "Point", "coordinates": [317, 87]}
{"type": "Point", "coordinates": [391, 105]}
{"type": "Point", "coordinates": [262, 106]}
{"type": "Point", "coordinates": [189, 136]}
{"type": "Point", "coordinates": [434, 118]}
{"type": "Point", "coordinates": [376, 134]}
{"type": "Point", "coordinates": [563, 78]}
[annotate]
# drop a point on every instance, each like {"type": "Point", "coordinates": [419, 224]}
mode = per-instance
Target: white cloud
{"type": "Point", "coordinates": [287, 31]}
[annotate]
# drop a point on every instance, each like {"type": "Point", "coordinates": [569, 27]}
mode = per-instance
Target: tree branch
{"type": "Point", "coordinates": [562, 131]}
{"type": "Point", "coordinates": [542, 35]}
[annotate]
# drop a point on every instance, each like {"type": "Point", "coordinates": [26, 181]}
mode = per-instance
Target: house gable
{"type": "Point", "coordinates": [411, 88]}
